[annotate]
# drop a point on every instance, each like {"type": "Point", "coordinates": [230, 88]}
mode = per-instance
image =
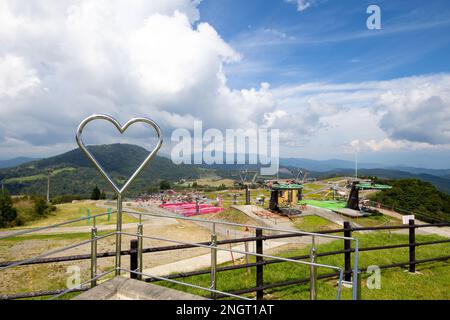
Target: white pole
{"type": "Point", "coordinates": [48, 187]}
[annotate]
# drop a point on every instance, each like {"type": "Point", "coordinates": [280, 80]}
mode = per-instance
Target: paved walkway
{"type": "Point", "coordinates": [441, 231]}
{"type": "Point", "coordinates": [204, 261]}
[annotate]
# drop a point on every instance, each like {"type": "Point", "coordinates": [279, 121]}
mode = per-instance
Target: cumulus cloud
{"type": "Point", "coordinates": [60, 62]}
{"type": "Point", "coordinates": [420, 113]}
{"type": "Point", "coordinates": [16, 76]}
{"type": "Point", "coordinates": [405, 113]}
{"type": "Point", "coordinates": [387, 144]}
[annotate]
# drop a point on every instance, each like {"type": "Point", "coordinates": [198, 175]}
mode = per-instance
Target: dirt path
{"type": "Point", "coordinates": [441, 231]}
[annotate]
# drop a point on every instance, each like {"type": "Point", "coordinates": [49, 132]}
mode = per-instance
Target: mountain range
{"type": "Point", "coordinates": [15, 162]}
{"type": "Point", "coordinates": [72, 173]}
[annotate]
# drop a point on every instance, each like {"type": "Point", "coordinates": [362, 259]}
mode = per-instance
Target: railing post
{"type": "Point", "coordinates": [133, 258]}
{"type": "Point", "coordinates": [247, 257]}
{"type": "Point", "coordinates": [412, 246]}
{"type": "Point", "coordinates": [359, 287]}
{"type": "Point", "coordinates": [213, 262]}
{"type": "Point", "coordinates": [118, 234]}
{"type": "Point", "coordinates": [93, 256]}
{"type": "Point", "coordinates": [140, 250]}
{"type": "Point", "coordinates": [347, 254]}
{"type": "Point", "coordinates": [259, 267]}
{"type": "Point", "coordinates": [312, 274]}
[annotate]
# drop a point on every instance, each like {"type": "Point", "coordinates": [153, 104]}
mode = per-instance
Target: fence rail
{"type": "Point", "coordinates": [261, 260]}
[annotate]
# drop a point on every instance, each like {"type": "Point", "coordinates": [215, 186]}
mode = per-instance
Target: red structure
{"type": "Point", "coordinates": [189, 209]}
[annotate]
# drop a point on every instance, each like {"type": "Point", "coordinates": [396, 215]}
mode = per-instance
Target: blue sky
{"type": "Point", "coordinates": [310, 68]}
{"type": "Point", "coordinates": [329, 41]}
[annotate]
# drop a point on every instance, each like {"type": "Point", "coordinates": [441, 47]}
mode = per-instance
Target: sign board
{"type": "Point", "coordinates": [407, 218]}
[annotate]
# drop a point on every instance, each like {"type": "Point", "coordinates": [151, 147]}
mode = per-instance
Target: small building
{"type": "Point", "coordinates": [284, 195]}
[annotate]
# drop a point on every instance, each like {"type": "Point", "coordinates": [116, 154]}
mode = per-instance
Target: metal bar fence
{"type": "Point", "coordinates": [259, 288]}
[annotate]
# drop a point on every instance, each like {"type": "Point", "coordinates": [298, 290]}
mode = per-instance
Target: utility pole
{"type": "Point", "coordinates": [48, 185]}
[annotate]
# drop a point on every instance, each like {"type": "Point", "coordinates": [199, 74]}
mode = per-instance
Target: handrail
{"type": "Point", "coordinates": [302, 233]}
{"type": "Point", "coordinates": [81, 284]}
{"type": "Point", "coordinates": [48, 253]}
{"type": "Point", "coordinates": [19, 233]}
{"type": "Point", "coordinates": [233, 250]}
{"type": "Point", "coordinates": [186, 284]}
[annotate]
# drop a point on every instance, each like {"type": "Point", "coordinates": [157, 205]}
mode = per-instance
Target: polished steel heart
{"type": "Point", "coordinates": [121, 129]}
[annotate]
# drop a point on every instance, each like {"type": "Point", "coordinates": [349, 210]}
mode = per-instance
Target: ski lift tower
{"type": "Point", "coordinates": [300, 178]}
{"type": "Point", "coordinates": [244, 181]}
{"type": "Point", "coordinates": [353, 198]}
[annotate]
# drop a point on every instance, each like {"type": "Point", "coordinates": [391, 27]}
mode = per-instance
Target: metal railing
{"type": "Point", "coordinates": [213, 246]}
{"type": "Point", "coordinates": [411, 245]}
{"type": "Point", "coordinates": [93, 241]}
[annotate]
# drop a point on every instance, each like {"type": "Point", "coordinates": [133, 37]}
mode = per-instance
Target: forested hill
{"type": "Point", "coordinates": [416, 196]}
{"type": "Point", "coordinates": [73, 173]}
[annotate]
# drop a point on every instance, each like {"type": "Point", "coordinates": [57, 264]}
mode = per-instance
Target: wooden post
{"type": "Point", "coordinates": [412, 246]}
{"type": "Point", "coordinates": [247, 195]}
{"type": "Point", "coordinates": [134, 258]}
{"type": "Point", "coordinates": [259, 268]}
{"type": "Point", "coordinates": [347, 254]}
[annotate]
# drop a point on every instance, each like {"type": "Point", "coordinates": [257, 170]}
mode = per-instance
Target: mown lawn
{"type": "Point", "coordinates": [71, 211]}
{"type": "Point", "coordinates": [314, 223]}
{"type": "Point", "coordinates": [432, 282]}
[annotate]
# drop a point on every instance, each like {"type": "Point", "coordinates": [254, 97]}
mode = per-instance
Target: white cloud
{"type": "Point", "coordinates": [302, 5]}
{"type": "Point", "coordinates": [15, 77]}
{"type": "Point", "coordinates": [387, 144]}
{"type": "Point", "coordinates": [63, 61]}
{"type": "Point", "coordinates": [413, 109]}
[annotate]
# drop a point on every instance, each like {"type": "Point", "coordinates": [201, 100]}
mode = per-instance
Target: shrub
{"type": "Point", "coordinates": [8, 214]}
{"type": "Point", "coordinates": [95, 194]}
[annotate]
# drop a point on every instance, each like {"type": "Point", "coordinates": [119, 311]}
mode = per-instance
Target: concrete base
{"type": "Point", "coordinates": [121, 288]}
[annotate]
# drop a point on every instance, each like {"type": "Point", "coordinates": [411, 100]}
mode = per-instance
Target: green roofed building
{"type": "Point", "coordinates": [284, 194]}
{"type": "Point", "coordinates": [353, 199]}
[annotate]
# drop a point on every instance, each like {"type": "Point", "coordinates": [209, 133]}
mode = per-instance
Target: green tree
{"type": "Point", "coordinates": [40, 207]}
{"type": "Point", "coordinates": [102, 195]}
{"type": "Point", "coordinates": [152, 189]}
{"type": "Point", "coordinates": [95, 194]}
{"type": "Point", "coordinates": [164, 185]}
{"type": "Point", "coordinates": [412, 195]}
{"type": "Point", "coordinates": [8, 214]}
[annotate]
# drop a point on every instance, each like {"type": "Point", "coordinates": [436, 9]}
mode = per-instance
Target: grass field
{"type": "Point", "coordinates": [432, 282]}
{"type": "Point", "coordinates": [66, 212]}
{"type": "Point", "coordinates": [326, 204]}
{"type": "Point", "coordinates": [37, 176]}
{"type": "Point", "coordinates": [232, 215]}
{"type": "Point", "coordinates": [314, 223]}
{"type": "Point", "coordinates": [376, 220]}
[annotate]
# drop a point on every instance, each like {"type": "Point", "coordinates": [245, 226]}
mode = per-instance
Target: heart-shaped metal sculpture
{"type": "Point", "coordinates": [121, 129]}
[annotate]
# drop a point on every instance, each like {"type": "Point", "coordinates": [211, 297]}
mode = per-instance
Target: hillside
{"type": "Point", "coordinates": [442, 183]}
{"type": "Point", "coordinates": [14, 162]}
{"type": "Point", "coordinates": [416, 196]}
{"type": "Point", "coordinates": [72, 172]}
